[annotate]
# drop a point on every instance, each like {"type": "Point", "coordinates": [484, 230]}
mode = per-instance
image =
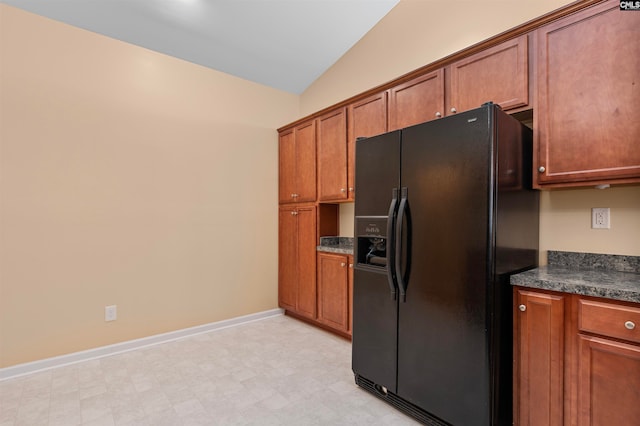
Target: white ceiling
{"type": "Point", "coordinates": [285, 44]}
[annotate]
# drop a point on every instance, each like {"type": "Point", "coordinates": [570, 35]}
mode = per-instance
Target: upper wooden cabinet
{"type": "Point", "coordinates": [367, 117]}
{"type": "Point", "coordinates": [416, 101]}
{"type": "Point", "coordinates": [499, 74]}
{"type": "Point", "coordinates": [586, 124]}
{"type": "Point", "coordinates": [297, 164]}
{"type": "Point", "coordinates": [333, 156]}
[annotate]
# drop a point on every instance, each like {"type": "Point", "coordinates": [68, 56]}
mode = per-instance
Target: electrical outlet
{"type": "Point", "coordinates": [600, 218]}
{"type": "Point", "coordinates": [110, 313]}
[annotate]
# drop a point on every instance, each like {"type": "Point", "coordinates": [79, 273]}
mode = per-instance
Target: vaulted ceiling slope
{"type": "Point", "coordinates": [284, 44]}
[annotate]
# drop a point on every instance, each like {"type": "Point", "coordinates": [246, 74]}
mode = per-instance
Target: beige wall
{"type": "Point", "coordinates": [417, 32]}
{"type": "Point", "coordinates": [131, 178]}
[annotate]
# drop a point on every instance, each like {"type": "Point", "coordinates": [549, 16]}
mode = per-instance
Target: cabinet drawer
{"type": "Point", "coordinates": [607, 319]}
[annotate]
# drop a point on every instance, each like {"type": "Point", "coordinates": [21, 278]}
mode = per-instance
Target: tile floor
{"type": "Point", "coordinates": [276, 371]}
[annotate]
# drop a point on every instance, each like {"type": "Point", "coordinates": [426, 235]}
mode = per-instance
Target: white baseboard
{"type": "Point", "coordinates": [104, 351]}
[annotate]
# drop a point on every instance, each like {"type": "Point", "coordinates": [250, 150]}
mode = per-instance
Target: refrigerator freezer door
{"type": "Point", "coordinates": [443, 363]}
{"type": "Point", "coordinates": [375, 307]}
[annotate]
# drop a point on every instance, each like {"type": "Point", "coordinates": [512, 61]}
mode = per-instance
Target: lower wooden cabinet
{"type": "Point", "coordinates": [299, 230]}
{"type": "Point", "coordinates": [539, 358]}
{"type": "Point", "coordinates": [608, 364]}
{"type": "Point", "coordinates": [334, 291]}
{"type": "Point", "coordinates": [296, 260]}
{"type": "Point", "coordinates": [576, 360]}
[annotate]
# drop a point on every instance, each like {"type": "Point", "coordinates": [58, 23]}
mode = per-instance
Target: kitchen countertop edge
{"type": "Point", "coordinates": [616, 285]}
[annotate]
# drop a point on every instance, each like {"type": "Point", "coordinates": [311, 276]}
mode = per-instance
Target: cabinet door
{"type": "Point", "coordinates": [287, 167]}
{"type": "Point", "coordinates": [305, 170]}
{"type": "Point", "coordinates": [333, 291]}
{"type": "Point", "coordinates": [307, 242]}
{"type": "Point", "coordinates": [367, 117]}
{"type": "Point", "coordinates": [608, 383]}
{"type": "Point", "coordinates": [417, 100]}
{"type": "Point", "coordinates": [539, 357]}
{"type": "Point", "coordinates": [499, 74]}
{"type": "Point", "coordinates": [332, 156]}
{"type": "Point", "coordinates": [586, 110]}
{"type": "Point", "coordinates": [287, 258]}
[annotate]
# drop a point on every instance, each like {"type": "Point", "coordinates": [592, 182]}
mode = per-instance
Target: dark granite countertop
{"type": "Point", "coordinates": [608, 276]}
{"type": "Point", "coordinates": [342, 245]}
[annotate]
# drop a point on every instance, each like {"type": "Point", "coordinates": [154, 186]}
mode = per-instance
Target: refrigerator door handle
{"type": "Point", "coordinates": [398, 246]}
{"type": "Point", "coordinates": [391, 267]}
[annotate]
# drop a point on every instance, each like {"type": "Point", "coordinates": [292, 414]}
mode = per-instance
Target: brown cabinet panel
{"type": "Point", "coordinates": [297, 164]}
{"type": "Point", "coordinates": [286, 166]}
{"type": "Point", "coordinates": [609, 319]}
{"type": "Point", "coordinates": [307, 242]}
{"type": "Point", "coordinates": [417, 100]}
{"type": "Point", "coordinates": [287, 255]}
{"type": "Point", "coordinates": [588, 97]}
{"type": "Point", "coordinates": [306, 162]}
{"type": "Point", "coordinates": [333, 291]}
{"type": "Point", "coordinates": [367, 117]}
{"type": "Point", "coordinates": [297, 259]}
{"type": "Point", "coordinates": [499, 74]}
{"type": "Point", "coordinates": [609, 383]}
{"type": "Point", "coordinates": [332, 156]}
{"type": "Point", "coordinates": [539, 357]}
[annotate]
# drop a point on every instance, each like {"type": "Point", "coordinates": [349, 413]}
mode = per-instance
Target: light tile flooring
{"type": "Point", "coordinates": [276, 371]}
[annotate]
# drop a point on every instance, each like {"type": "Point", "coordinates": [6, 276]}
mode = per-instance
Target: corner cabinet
{"type": "Point", "coordinates": [335, 283]}
{"type": "Point", "coordinates": [297, 164]}
{"type": "Point", "coordinates": [576, 360]}
{"type": "Point", "coordinates": [586, 123]}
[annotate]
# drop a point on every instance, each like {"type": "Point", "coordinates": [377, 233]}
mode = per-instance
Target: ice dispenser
{"type": "Point", "coordinates": [371, 240]}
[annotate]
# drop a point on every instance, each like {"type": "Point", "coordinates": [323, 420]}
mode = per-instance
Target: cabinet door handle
{"type": "Point", "coordinates": [438, 114]}
{"type": "Point", "coordinates": [343, 190]}
{"type": "Point", "coordinates": [351, 265]}
{"type": "Point", "coordinates": [541, 169]}
{"type": "Point", "coordinates": [293, 213]}
{"type": "Point", "coordinates": [453, 110]}
{"type": "Point", "coordinates": [522, 308]}
{"type": "Point", "coordinates": [343, 264]}
{"type": "Point", "coordinates": [350, 189]}
{"type": "Point", "coordinates": [629, 325]}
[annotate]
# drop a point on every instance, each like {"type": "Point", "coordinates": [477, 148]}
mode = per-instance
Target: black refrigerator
{"type": "Point", "coordinates": [444, 214]}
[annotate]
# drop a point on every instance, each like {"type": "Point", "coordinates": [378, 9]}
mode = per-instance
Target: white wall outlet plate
{"type": "Point", "coordinates": [110, 313]}
{"type": "Point", "coordinates": [600, 218]}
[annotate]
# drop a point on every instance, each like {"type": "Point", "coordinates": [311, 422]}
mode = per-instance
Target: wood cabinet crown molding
{"type": "Point", "coordinates": [448, 60]}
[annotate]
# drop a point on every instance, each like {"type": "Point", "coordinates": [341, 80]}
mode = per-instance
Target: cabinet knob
{"type": "Point", "coordinates": [343, 190]}
{"type": "Point", "coordinates": [453, 110]}
{"type": "Point", "coordinates": [293, 213]}
{"type": "Point", "coordinates": [522, 308]}
{"type": "Point", "coordinates": [438, 114]}
{"type": "Point", "coordinates": [351, 265]}
{"type": "Point", "coordinates": [541, 169]}
{"type": "Point", "coordinates": [343, 264]}
{"type": "Point", "coordinates": [629, 325]}
{"type": "Point", "coordinates": [350, 189]}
